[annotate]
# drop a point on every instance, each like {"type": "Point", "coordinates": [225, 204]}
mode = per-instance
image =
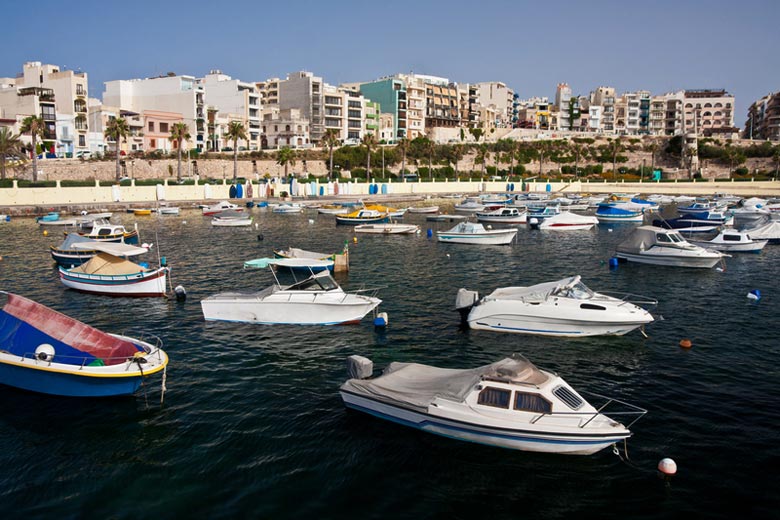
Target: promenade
{"type": "Point", "coordinates": [30, 201]}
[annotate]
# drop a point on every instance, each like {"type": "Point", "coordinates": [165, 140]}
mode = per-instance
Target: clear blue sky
{"type": "Point", "coordinates": [656, 45]}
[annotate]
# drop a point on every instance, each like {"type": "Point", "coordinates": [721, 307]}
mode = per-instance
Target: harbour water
{"type": "Point", "coordinates": [253, 426]}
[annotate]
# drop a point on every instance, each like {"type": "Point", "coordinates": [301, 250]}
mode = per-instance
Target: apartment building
{"type": "Point", "coordinates": [390, 93]}
{"type": "Point", "coordinates": [180, 95]}
{"type": "Point", "coordinates": [416, 103]}
{"type": "Point", "coordinates": [238, 98]}
{"type": "Point", "coordinates": [562, 106]}
{"type": "Point", "coordinates": [304, 91]}
{"type": "Point", "coordinates": [17, 103]}
{"type": "Point", "coordinates": [284, 128]}
{"type": "Point", "coordinates": [442, 103]}
{"type": "Point", "coordinates": [497, 95]}
{"type": "Point", "coordinates": [68, 90]}
{"type": "Point", "coordinates": [605, 98]}
{"type": "Point", "coordinates": [708, 112]}
{"type": "Point", "coordinates": [468, 103]}
{"type": "Point", "coordinates": [763, 120]}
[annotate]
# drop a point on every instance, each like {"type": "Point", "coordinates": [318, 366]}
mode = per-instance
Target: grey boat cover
{"type": "Point", "coordinates": [412, 385]}
{"type": "Point", "coordinates": [70, 239]}
{"type": "Point", "coordinates": [534, 293]}
{"type": "Point", "coordinates": [769, 230]}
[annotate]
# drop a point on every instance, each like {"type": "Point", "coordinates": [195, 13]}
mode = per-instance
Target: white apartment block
{"type": "Point", "coordinates": [67, 126]}
{"type": "Point", "coordinates": [605, 98]}
{"type": "Point", "coordinates": [182, 95]}
{"type": "Point", "coordinates": [501, 98]}
{"type": "Point", "coordinates": [708, 112]}
{"type": "Point", "coordinates": [415, 105]}
{"type": "Point", "coordinates": [284, 128]}
{"type": "Point", "coordinates": [304, 91]}
{"type": "Point", "coordinates": [239, 99]}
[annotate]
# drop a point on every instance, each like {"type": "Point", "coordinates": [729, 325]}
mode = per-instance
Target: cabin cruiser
{"type": "Point", "coordinates": [475, 233]}
{"type": "Point", "coordinates": [502, 215]}
{"type": "Point", "coordinates": [509, 404]}
{"type": "Point", "coordinates": [659, 246]}
{"type": "Point", "coordinates": [564, 307]}
{"type": "Point", "coordinates": [317, 300]}
{"type": "Point", "coordinates": [733, 242]}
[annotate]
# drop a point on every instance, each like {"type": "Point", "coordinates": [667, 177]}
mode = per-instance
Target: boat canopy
{"type": "Point", "coordinates": [112, 248]}
{"type": "Point", "coordinates": [570, 287]}
{"type": "Point", "coordinates": [645, 237]}
{"type": "Point", "coordinates": [73, 238]}
{"type": "Point", "coordinates": [107, 264]}
{"type": "Point", "coordinates": [262, 263]}
{"type": "Point", "coordinates": [415, 385]}
{"type": "Point", "coordinates": [25, 325]}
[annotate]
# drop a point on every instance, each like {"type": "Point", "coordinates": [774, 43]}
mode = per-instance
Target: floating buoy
{"type": "Point", "coordinates": [257, 226]}
{"type": "Point", "coordinates": [754, 295]}
{"type": "Point", "coordinates": [45, 233]}
{"type": "Point", "coordinates": [183, 221]}
{"type": "Point", "coordinates": [667, 467]}
{"type": "Point", "coordinates": [609, 230]}
{"type": "Point", "coordinates": [354, 239]}
{"type": "Point", "coordinates": [311, 221]}
{"type": "Point", "coordinates": [180, 293]}
{"type": "Point", "coordinates": [686, 343]}
{"type": "Point", "coordinates": [448, 255]}
{"type": "Point", "coordinates": [430, 233]}
{"type": "Point", "coordinates": [380, 320]}
{"type": "Point", "coordinates": [613, 263]}
{"type": "Point", "coordinates": [260, 236]}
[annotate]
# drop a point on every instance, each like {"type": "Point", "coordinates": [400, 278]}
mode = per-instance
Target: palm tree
{"type": "Point", "coordinates": [330, 139]}
{"type": "Point", "coordinates": [403, 145]}
{"type": "Point", "coordinates": [235, 131]}
{"type": "Point", "coordinates": [653, 148]}
{"type": "Point", "coordinates": [285, 157]}
{"type": "Point", "coordinates": [10, 146]}
{"type": "Point", "coordinates": [430, 148]}
{"type": "Point", "coordinates": [482, 156]}
{"type": "Point", "coordinates": [34, 126]}
{"type": "Point", "coordinates": [615, 147]}
{"type": "Point", "coordinates": [543, 148]}
{"type": "Point", "coordinates": [457, 155]}
{"type": "Point", "coordinates": [577, 150]}
{"type": "Point", "coordinates": [369, 141]}
{"type": "Point", "coordinates": [179, 133]}
{"type": "Point", "coordinates": [117, 129]}
{"type": "Point", "coordinates": [775, 160]}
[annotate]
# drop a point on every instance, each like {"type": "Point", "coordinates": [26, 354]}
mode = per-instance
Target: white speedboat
{"type": "Point", "coordinates": [231, 221]}
{"type": "Point", "coordinates": [568, 221]}
{"type": "Point", "coordinates": [561, 308]}
{"type": "Point", "coordinates": [220, 207]}
{"type": "Point", "coordinates": [388, 229]}
{"type": "Point", "coordinates": [475, 233]}
{"type": "Point", "coordinates": [509, 404]}
{"type": "Point", "coordinates": [317, 300]}
{"type": "Point", "coordinates": [287, 208]}
{"type": "Point", "coordinates": [659, 246]}
{"type": "Point", "coordinates": [506, 215]}
{"type": "Point", "coordinates": [470, 205]}
{"type": "Point", "coordinates": [732, 241]}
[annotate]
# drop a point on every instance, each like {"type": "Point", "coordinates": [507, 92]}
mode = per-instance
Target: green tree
{"type": "Point", "coordinates": [330, 139]}
{"type": "Point", "coordinates": [285, 157]}
{"type": "Point", "coordinates": [476, 133]}
{"type": "Point", "coordinates": [430, 149]}
{"type": "Point", "coordinates": [235, 131]}
{"type": "Point", "coordinates": [179, 133]}
{"type": "Point", "coordinates": [10, 146]}
{"type": "Point", "coordinates": [615, 146]}
{"type": "Point", "coordinates": [483, 152]}
{"type": "Point", "coordinates": [456, 154]}
{"type": "Point", "coordinates": [34, 126]}
{"type": "Point", "coordinates": [775, 160]}
{"type": "Point", "coordinates": [117, 129]}
{"type": "Point", "coordinates": [369, 141]}
{"type": "Point", "coordinates": [403, 146]}
{"type": "Point", "coordinates": [576, 149]}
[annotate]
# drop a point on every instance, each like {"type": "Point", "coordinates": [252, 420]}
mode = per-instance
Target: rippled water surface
{"type": "Point", "coordinates": [253, 426]}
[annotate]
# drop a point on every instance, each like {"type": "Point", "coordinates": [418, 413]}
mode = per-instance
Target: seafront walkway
{"type": "Point", "coordinates": [32, 200]}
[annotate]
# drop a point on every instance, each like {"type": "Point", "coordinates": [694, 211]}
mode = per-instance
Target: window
{"type": "Point", "coordinates": [151, 126]}
{"type": "Point", "coordinates": [286, 128]}
{"type": "Point", "coordinates": [299, 129]}
{"type": "Point", "coordinates": [153, 143]}
{"type": "Point", "coordinates": [567, 396]}
{"type": "Point", "coordinates": [82, 140]}
{"type": "Point", "coordinates": [532, 403]}
{"type": "Point", "coordinates": [164, 128]}
{"type": "Point", "coordinates": [354, 114]}
{"type": "Point", "coordinates": [496, 397]}
{"type": "Point", "coordinates": [353, 104]}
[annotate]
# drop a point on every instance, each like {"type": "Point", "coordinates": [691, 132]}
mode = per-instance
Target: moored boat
{"type": "Point", "coordinates": [732, 241]}
{"type": "Point", "coordinates": [109, 275]}
{"type": "Point", "coordinates": [619, 212]}
{"type": "Point", "coordinates": [509, 404]}
{"type": "Point", "coordinates": [475, 233]}
{"type": "Point", "coordinates": [659, 246]}
{"type": "Point", "coordinates": [231, 221]}
{"type": "Point", "coordinates": [76, 249]}
{"type": "Point", "coordinates": [48, 352]}
{"type": "Point", "coordinates": [388, 229]}
{"type": "Point", "coordinates": [220, 207]}
{"type": "Point", "coordinates": [362, 216]}
{"type": "Point", "coordinates": [505, 215]}
{"type": "Point", "coordinates": [568, 221]}
{"type": "Point", "coordinates": [423, 209]}
{"type": "Point", "coordinates": [105, 232]}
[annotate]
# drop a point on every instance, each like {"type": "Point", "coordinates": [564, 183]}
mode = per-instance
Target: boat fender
{"type": "Point", "coordinates": [359, 367]}
{"type": "Point", "coordinates": [430, 233]}
{"type": "Point", "coordinates": [613, 263]}
{"type": "Point", "coordinates": [44, 352]}
{"type": "Point", "coordinates": [380, 320]}
{"type": "Point", "coordinates": [667, 468]}
{"type": "Point", "coordinates": [180, 293]}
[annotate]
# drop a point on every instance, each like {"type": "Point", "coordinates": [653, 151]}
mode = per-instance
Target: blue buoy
{"type": "Point", "coordinates": [163, 262]}
{"type": "Point", "coordinates": [754, 295]}
{"type": "Point", "coordinates": [380, 320]}
{"type": "Point", "coordinates": [613, 263]}
{"type": "Point", "coordinates": [430, 233]}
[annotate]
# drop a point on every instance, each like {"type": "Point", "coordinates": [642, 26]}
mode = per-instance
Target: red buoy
{"type": "Point", "coordinates": [685, 343]}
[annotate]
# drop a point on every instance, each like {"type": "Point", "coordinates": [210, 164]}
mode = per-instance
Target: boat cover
{"type": "Point", "coordinates": [70, 239]}
{"type": "Point", "coordinates": [416, 386]}
{"type": "Point", "coordinates": [539, 292]}
{"type": "Point", "coordinates": [106, 264]}
{"type": "Point", "coordinates": [767, 231]}
{"type": "Point", "coordinates": [25, 324]}
{"type": "Point", "coordinates": [641, 239]}
{"type": "Point", "coordinates": [294, 252]}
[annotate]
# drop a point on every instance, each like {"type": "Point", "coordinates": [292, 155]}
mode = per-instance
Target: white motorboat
{"type": "Point", "coordinates": [470, 205]}
{"type": "Point", "coordinates": [317, 300]}
{"type": "Point", "coordinates": [659, 246]}
{"type": "Point", "coordinates": [332, 209]}
{"type": "Point", "coordinates": [168, 210]}
{"type": "Point", "coordinates": [388, 229]}
{"type": "Point", "coordinates": [231, 221]}
{"type": "Point", "coordinates": [568, 221]}
{"type": "Point", "coordinates": [509, 404]}
{"type": "Point", "coordinates": [288, 208]}
{"type": "Point", "coordinates": [423, 209]}
{"type": "Point", "coordinates": [475, 233]}
{"type": "Point", "coordinates": [561, 308]}
{"type": "Point", "coordinates": [506, 215]}
{"type": "Point", "coordinates": [220, 207]}
{"type": "Point", "coordinates": [732, 241]}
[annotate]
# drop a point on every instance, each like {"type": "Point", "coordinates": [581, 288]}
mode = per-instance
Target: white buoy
{"type": "Point", "coordinates": [256, 225]}
{"type": "Point", "coordinates": [609, 230]}
{"type": "Point", "coordinates": [667, 467]}
{"type": "Point", "coordinates": [183, 221]}
{"type": "Point", "coordinates": [311, 221]}
{"type": "Point", "coordinates": [754, 295]}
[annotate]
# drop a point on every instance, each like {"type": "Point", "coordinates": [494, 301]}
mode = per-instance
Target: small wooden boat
{"type": "Point", "coordinates": [142, 212]}
{"type": "Point", "coordinates": [362, 216]}
{"type": "Point", "coordinates": [219, 208]}
{"type": "Point", "coordinates": [340, 260]}
{"type": "Point", "coordinates": [105, 232]}
{"type": "Point", "coordinates": [109, 275]}
{"type": "Point", "coordinates": [388, 229]}
{"type": "Point", "coordinates": [332, 209]}
{"type": "Point", "coordinates": [48, 352]}
{"type": "Point", "coordinates": [423, 209]}
{"type": "Point", "coordinates": [445, 218]}
{"type": "Point", "coordinates": [76, 250]}
{"type": "Point", "coordinates": [231, 221]}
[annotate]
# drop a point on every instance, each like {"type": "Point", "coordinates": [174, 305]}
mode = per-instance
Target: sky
{"type": "Point", "coordinates": [655, 45]}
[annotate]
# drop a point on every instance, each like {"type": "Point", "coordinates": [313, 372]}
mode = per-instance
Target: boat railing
{"type": "Point", "coordinates": [636, 299]}
{"type": "Point", "coordinates": [371, 292]}
{"type": "Point", "coordinates": [611, 408]}
{"type": "Point", "coordinates": [84, 361]}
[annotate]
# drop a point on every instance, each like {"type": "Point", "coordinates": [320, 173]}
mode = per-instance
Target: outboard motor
{"type": "Point", "coordinates": [181, 294]}
{"type": "Point", "coordinates": [534, 222]}
{"type": "Point", "coordinates": [359, 367]}
{"type": "Point", "coordinates": [464, 301]}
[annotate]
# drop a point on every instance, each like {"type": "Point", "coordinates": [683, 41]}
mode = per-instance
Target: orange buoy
{"type": "Point", "coordinates": [354, 239]}
{"type": "Point", "coordinates": [45, 233]}
{"type": "Point", "coordinates": [686, 343]}
{"type": "Point", "coordinates": [667, 467]}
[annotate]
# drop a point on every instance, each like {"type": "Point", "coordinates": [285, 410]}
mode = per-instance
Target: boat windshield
{"type": "Point", "coordinates": [315, 283]}
{"type": "Point", "coordinates": [577, 291]}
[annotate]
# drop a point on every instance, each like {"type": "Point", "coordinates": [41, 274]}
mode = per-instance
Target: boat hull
{"type": "Point", "coordinates": [516, 439]}
{"type": "Point", "coordinates": [314, 309]}
{"type": "Point", "coordinates": [66, 384]}
{"type": "Point", "coordinates": [387, 229]}
{"type": "Point", "coordinates": [702, 262]}
{"type": "Point", "coordinates": [147, 284]}
{"type": "Point", "coordinates": [551, 326]}
{"type": "Point", "coordinates": [495, 238]}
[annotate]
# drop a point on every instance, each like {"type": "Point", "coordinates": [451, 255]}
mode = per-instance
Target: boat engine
{"type": "Point", "coordinates": [359, 367]}
{"type": "Point", "coordinates": [464, 301]}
